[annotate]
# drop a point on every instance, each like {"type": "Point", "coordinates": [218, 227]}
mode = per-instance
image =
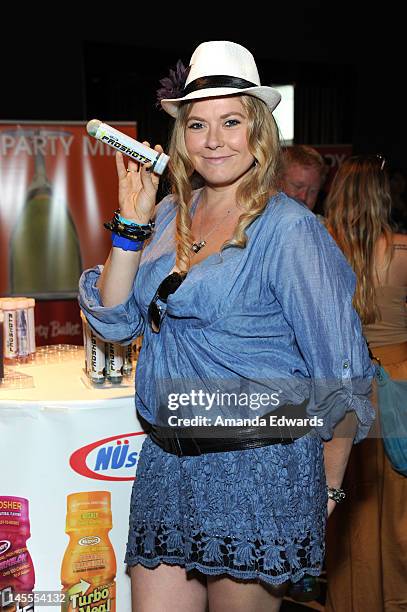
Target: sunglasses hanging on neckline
{"type": "Point", "coordinates": [168, 286]}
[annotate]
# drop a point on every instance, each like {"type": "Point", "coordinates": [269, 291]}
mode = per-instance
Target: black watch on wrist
{"type": "Point", "coordinates": [338, 495]}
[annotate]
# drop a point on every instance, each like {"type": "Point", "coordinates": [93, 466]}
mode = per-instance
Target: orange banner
{"type": "Point", "coordinates": [57, 187]}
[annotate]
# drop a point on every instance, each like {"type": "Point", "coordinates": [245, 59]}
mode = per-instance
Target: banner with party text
{"type": "Point", "coordinates": [58, 185]}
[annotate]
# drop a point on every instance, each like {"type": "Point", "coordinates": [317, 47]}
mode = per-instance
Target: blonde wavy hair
{"type": "Point", "coordinates": [357, 211]}
{"type": "Point", "coordinates": [254, 190]}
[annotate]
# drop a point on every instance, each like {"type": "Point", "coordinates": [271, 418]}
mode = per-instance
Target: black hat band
{"type": "Point", "coordinates": [218, 80]}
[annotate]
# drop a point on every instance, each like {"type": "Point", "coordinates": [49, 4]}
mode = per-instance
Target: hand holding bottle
{"type": "Point", "coordinates": [137, 189]}
{"type": "Point", "coordinates": [137, 197]}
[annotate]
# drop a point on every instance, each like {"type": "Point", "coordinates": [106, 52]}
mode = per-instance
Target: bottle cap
{"type": "Point", "coordinates": [14, 515]}
{"type": "Point", "coordinates": [88, 509]}
{"type": "Point", "coordinates": [8, 304]}
{"type": "Point", "coordinates": [161, 163]}
{"type": "Point", "coordinates": [21, 303]}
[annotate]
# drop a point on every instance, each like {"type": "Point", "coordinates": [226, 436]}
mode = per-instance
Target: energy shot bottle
{"type": "Point", "coordinates": [88, 570]}
{"type": "Point", "coordinates": [16, 566]}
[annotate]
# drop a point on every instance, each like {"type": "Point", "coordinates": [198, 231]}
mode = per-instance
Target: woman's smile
{"type": "Point", "coordinates": [217, 160]}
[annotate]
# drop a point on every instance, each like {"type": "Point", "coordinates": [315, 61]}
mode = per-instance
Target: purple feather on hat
{"type": "Point", "coordinates": [173, 85]}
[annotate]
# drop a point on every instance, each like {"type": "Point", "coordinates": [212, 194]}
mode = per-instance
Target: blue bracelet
{"type": "Point", "coordinates": [125, 244]}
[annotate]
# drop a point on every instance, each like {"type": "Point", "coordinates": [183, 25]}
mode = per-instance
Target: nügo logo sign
{"type": "Point", "coordinates": [111, 459]}
{"type": "Point", "coordinates": [89, 541]}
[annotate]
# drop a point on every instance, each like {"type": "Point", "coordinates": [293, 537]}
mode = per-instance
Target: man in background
{"type": "Point", "coordinates": [303, 173]}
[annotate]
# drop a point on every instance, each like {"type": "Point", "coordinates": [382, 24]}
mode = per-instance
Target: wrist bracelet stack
{"type": "Point", "coordinates": [128, 235]}
{"type": "Point", "coordinates": [338, 495]}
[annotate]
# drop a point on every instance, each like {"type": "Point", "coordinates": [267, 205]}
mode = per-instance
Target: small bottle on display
{"type": "Point", "coordinates": [10, 331]}
{"type": "Point", "coordinates": [19, 332]}
{"type": "Point", "coordinates": [31, 328]}
{"type": "Point", "coordinates": [114, 362]}
{"type": "Point", "coordinates": [17, 577]}
{"type": "Point", "coordinates": [22, 329]}
{"type": "Point", "coordinates": [128, 360]}
{"type": "Point", "coordinates": [95, 358]}
{"type": "Point", "coordinates": [86, 342]}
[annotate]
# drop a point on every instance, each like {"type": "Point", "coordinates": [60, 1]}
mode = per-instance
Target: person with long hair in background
{"type": "Point", "coordinates": [367, 540]}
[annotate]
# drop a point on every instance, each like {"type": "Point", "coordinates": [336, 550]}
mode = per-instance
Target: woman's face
{"type": "Point", "coordinates": [216, 140]}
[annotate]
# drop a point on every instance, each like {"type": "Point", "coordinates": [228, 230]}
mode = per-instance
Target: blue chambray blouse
{"type": "Point", "coordinates": [278, 310]}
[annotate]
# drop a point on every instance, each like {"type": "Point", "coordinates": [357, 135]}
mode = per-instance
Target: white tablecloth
{"type": "Point", "coordinates": [62, 437]}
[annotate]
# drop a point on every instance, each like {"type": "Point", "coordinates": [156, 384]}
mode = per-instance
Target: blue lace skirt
{"type": "Point", "coordinates": [251, 514]}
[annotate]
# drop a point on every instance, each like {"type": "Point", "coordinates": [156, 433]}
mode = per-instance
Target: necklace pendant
{"type": "Point", "coordinates": [197, 246]}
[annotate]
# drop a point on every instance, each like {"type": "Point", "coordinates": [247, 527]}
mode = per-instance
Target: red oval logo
{"type": "Point", "coordinates": [110, 459]}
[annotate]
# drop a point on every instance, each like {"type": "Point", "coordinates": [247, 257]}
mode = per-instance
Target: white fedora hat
{"type": "Point", "coordinates": [222, 68]}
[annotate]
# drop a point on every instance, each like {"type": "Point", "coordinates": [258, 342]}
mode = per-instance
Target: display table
{"type": "Point", "coordinates": [61, 437]}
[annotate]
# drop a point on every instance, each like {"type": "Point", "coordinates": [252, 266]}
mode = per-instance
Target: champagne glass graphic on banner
{"type": "Point", "coordinates": [45, 256]}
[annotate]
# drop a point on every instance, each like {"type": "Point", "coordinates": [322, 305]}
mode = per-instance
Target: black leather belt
{"type": "Point", "coordinates": [194, 441]}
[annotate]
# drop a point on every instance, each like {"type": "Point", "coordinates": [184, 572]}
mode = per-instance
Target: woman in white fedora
{"type": "Point", "coordinates": [252, 353]}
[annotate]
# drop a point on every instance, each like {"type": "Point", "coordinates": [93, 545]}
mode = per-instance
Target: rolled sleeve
{"type": "Point", "coordinates": [122, 323]}
{"type": "Point", "coordinates": [314, 285]}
